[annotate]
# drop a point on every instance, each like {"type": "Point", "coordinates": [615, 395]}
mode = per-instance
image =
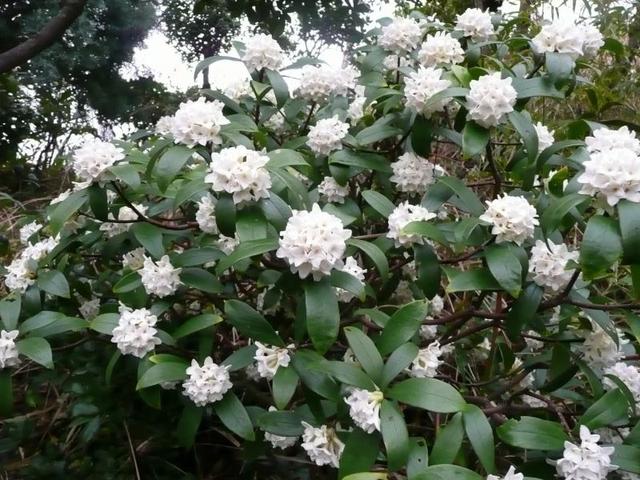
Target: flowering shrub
{"type": "Point", "coordinates": [401, 270]}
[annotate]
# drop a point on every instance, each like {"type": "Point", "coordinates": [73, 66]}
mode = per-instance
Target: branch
{"type": "Point", "coordinates": [51, 32]}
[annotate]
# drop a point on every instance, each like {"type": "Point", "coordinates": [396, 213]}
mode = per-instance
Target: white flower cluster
{"type": "Point", "coordinates": [319, 83]}
{"type": "Point", "coordinates": [28, 230]}
{"type": "Point", "coordinates": [394, 62]}
{"type": "Point", "coordinates": [545, 136]}
{"type": "Point", "coordinates": [629, 374]}
{"type": "Point", "coordinates": [262, 51]}
{"type": "Point", "coordinates": [364, 409]}
{"type": "Point", "coordinates": [403, 215]}
{"type": "Point", "coordinates": [313, 242]}
{"type": "Point", "coordinates": [8, 349]}
{"type": "Point", "coordinates": [126, 217]}
{"type": "Point", "coordinates": [206, 214]}
{"type": "Point", "coordinates": [440, 49]}
{"type": "Point", "coordinates": [513, 218]}
{"type": "Point", "coordinates": [322, 445]}
{"type": "Point", "coordinates": [613, 168]}
{"type": "Point", "coordinates": [207, 383]}
{"type": "Point", "coordinates": [269, 358]}
{"type": "Point", "coordinates": [511, 475]}
{"type": "Point", "coordinates": [548, 264]}
{"type": "Point", "coordinates": [89, 309]}
{"type": "Point", "coordinates": [326, 135]}
{"type": "Point", "coordinates": [21, 272]}
{"type": "Point", "coordinates": [490, 99]}
{"type": "Point", "coordinates": [588, 461]}
{"type": "Point", "coordinates": [426, 363]}
{"type": "Point", "coordinates": [413, 173]}
{"type": "Point", "coordinates": [475, 23]}
{"type": "Point", "coordinates": [356, 108]}
{"type": "Point", "coordinates": [400, 36]}
{"type": "Point", "coordinates": [197, 122]}
{"type": "Point", "coordinates": [423, 84]}
{"type": "Point", "coordinates": [134, 259]}
{"type": "Point", "coordinates": [332, 191]}
{"type": "Point", "coordinates": [278, 441]}
{"type": "Point", "coordinates": [564, 36]}
{"type": "Point", "coordinates": [351, 267]}
{"type": "Point", "coordinates": [276, 122]}
{"type": "Point", "coordinates": [160, 278]}
{"type": "Point", "coordinates": [92, 159]}
{"type": "Point", "coordinates": [238, 89]}
{"type": "Point", "coordinates": [241, 172]}
{"type": "Point", "coordinates": [599, 350]}
{"type": "Point", "coordinates": [135, 333]}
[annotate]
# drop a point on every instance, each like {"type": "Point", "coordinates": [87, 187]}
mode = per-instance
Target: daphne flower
{"type": "Point", "coordinates": [426, 364]}
{"type": "Point", "coordinates": [126, 217]}
{"type": "Point", "coordinates": [29, 230]}
{"type": "Point", "coordinates": [476, 24]}
{"type": "Point", "coordinates": [8, 349]}
{"type": "Point", "coordinates": [364, 409]}
{"type": "Point", "coordinates": [198, 122]}
{"type": "Point", "coordinates": [403, 215]}
{"type": "Point", "coordinates": [605, 140]}
{"type": "Point", "coordinates": [207, 383]}
{"type": "Point", "coordinates": [420, 86]}
{"type": "Point", "coordinates": [92, 159]}
{"type": "Point", "coordinates": [428, 332]}
{"type": "Point", "coordinates": [413, 173]}
{"type": "Point", "coordinates": [317, 84]}
{"type": "Point", "coordinates": [89, 309]}
{"type": "Point", "coordinates": [395, 62]}
{"type": "Point", "coordinates": [276, 122]}
{"type": "Point", "coordinates": [262, 51]}
{"type": "Point", "coordinates": [513, 218]}
{"type": "Point", "coordinates": [21, 272]}
{"type": "Point", "coordinates": [206, 214]}
{"type": "Point", "coordinates": [545, 136]}
{"type": "Point", "coordinates": [511, 475]}
{"type": "Point", "coordinates": [313, 242]}
{"type": "Point", "coordinates": [588, 461]}
{"type": "Point", "coordinates": [332, 191]}
{"type": "Point", "coordinates": [228, 244]}
{"type": "Point", "coordinates": [238, 89]}
{"type": "Point", "coordinates": [599, 350]}
{"type": "Point", "coordinates": [134, 259]}
{"type": "Point", "coordinates": [322, 445]}
{"type": "Point", "coordinates": [490, 99]}
{"type": "Point", "coordinates": [629, 374]}
{"type": "Point", "coordinates": [278, 441]}
{"type": "Point", "coordinates": [400, 36]}
{"type": "Point", "coordinates": [562, 36]}
{"type": "Point", "coordinates": [135, 334]}
{"type": "Point", "coordinates": [593, 40]}
{"type": "Point", "coordinates": [548, 264]}
{"type": "Point", "coordinates": [326, 135]}
{"type": "Point", "coordinates": [352, 268]}
{"type": "Point", "coordinates": [440, 49]}
{"type": "Point", "coordinates": [356, 109]}
{"type": "Point", "coordinates": [61, 197]}
{"type": "Point", "coordinates": [612, 174]}
{"type": "Point", "coordinates": [160, 278]}
{"type": "Point", "coordinates": [270, 358]}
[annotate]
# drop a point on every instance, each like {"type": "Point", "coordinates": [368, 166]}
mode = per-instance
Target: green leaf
{"type": "Point", "coordinates": [446, 93]}
{"type": "Point", "coordinates": [284, 157]}
{"type": "Point", "coordinates": [297, 192]}
{"type": "Point", "coordinates": [247, 250]}
{"type": "Point", "coordinates": [170, 163]}
{"type": "Point", "coordinates": [200, 279]}
{"type": "Point", "coordinates": [347, 373]}
{"type": "Point", "coordinates": [226, 215]}
{"type": "Point", "coordinates": [601, 246]}
{"type": "Point", "coordinates": [359, 455]}
{"type": "Point", "coordinates": [474, 139]}
{"type": "Point", "coordinates": [285, 383]}
{"type": "Point", "coordinates": [162, 372]}
{"type": "Point", "coordinates": [470, 201]}
{"type": "Point", "coordinates": [188, 425]}
{"type": "Point", "coordinates": [127, 173]}
{"type": "Point", "coordinates": [241, 358]}
{"type": "Point", "coordinates": [347, 282]}
{"type": "Point", "coordinates": [536, 87]}
{"type": "Point", "coordinates": [559, 208]}
{"type": "Point", "coordinates": [366, 476]}
{"type": "Point", "coordinates": [394, 435]}
{"type": "Point", "coordinates": [376, 255]}
{"type": "Point", "coordinates": [6, 394]}
{"type": "Point", "coordinates": [211, 60]}
{"type": "Point", "coordinates": [607, 410]}
{"type": "Point", "coordinates": [190, 191]}
{"type": "Point", "coordinates": [402, 325]}
{"type": "Point", "coordinates": [627, 458]}
{"type": "Point", "coordinates": [365, 351]}
{"type": "Point", "coordinates": [428, 394]}
{"type": "Point", "coordinates": [98, 202]}
{"type": "Point", "coordinates": [448, 441]}
{"type": "Point", "coordinates": [105, 323]}
{"type": "Point", "coordinates": [196, 324]}
{"type": "Point", "coordinates": [53, 282]}
{"type": "Point", "coordinates": [322, 314]}
{"type": "Point", "coordinates": [523, 310]}
{"type": "Point", "coordinates": [40, 320]}
{"type": "Point", "coordinates": [37, 349]}
{"type": "Point", "coordinates": [475, 279]}
{"type": "Point", "coordinates": [426, 229]}
{"type": "Point", "coordinates": [351, 158]}
{"type": "Point", "coordinates": [250, 323]}
{"type": "Point", "coordinates": [375, 133]}
{"type": "Point", "coordinates": [128, 283]}
{"type": "Point", "coordinates": [559, 66]}
{"type": "Point", "coordinates": [428, 269]}
{"type": "Point", "coordinates": [305, 362]}
{"type": "Point", "coordinates": [197, 257]}
{"type": "Point", "coordinates": [505, 268]}
{"type": "Point", "coordinates": [234, 416]}
{"type": "Point", "coordinates": [241, 123]}
{"type": "Point", "coordinates": [448, 472]}
{"type": "Point", "coordinates": [548, 152]}
{"type": "Point", "coordinates": [480, 435]}
{"type": "Point", "coordinates": [532, 433]}
{"type": "Point", "coordinates": [629, 215]}
{"type": "Point", "coordinates": [284, 423]}
{"type": "Point", "coordinates": [150, 237]}
{"type": "Point", "coordinates": [10, 311]}
{"type": "Point", "coordinates": [524, 127]}
{"type": "Point", "coordinates": [279, 86]}
{"type": "Point", "coordinates": [398, 361]}
{"type": "Point", "coordinates": [418, 457]}
{"type": "Point", "coordinates": [62, 211]}
{"type": "Point", "coordinates": [379, 202]}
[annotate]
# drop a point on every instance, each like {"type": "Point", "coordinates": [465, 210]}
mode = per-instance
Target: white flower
{"type": "Point", "coordinates": [356, 109]}
{"type": "Point", "coordinates": [198, 122]}
{"type": "Point", "coordinates": [562, 36]}
{"type": "Point", "coordinates": [629, 374]}
{"type": "Point", "coordinates": [92, 159]}
{"type": "Point", "coordinates": [612, 174]}
{"type": "Point", "coordinates": [326, 135]}
{"type": "Point", "coordinates": [228, 244]}
{"type": "Point", "coordinates": [126, 216]}
{"type": "Point", "coordinates": [135, 333]}
{"type": "Point", "coordinates": [164, 125]}
{"type": "Point", "coordinates": [134, 259]}
{"type": "Point", "coordinates": [413, 173]}
{"type": "Point", "coordinates": [599, 350]}
{"type": "Point", "coordinates": [313, 242]}
{"type": "Point", "coordinates": [161, 278]}
{"type": "Point", "coordinates": [436, 305]}
{"type": "Point", "coordinates": [278, 441]}
{"type": "Point", "coordinates": [394, 62]}
{"type": "Point", "coordinates": [516, 368]}
{"type": "Point", "coordinates": [332, 191]}
{"type": "Point", "coordinates": [490, 99]}
{"type": "Point", "coordinates": [533, 402]}
{"type": "Point", "coordinates": [403, 215]}
{"type": "Point", "coordinates": [241, 172]}
{"type": "Point", "coordinates": [420, 86]}
{"type": "Point", "coordinates": [593, 40]}
{"type": "Point", "coordinates": [400, 36]}
{"type": "Point", "coordinates": [440, 49]}
{"type": "Point", "coordinates": [8, 349]}
{"type": "Point", "coordinates": [252, 372]}
{"type": "Point", "coordinates": [548, 264]}
{"type": "Point", "coordinates": [61, 197]}
{"type": "Point", "coordinates": [475, 23]}
{"type": "Point", "coordinates": [89, 309]}
{"type": "Point", "coordinates": [322, 445]}
{"type": "Point", "coordinates": [21, 272]}
{"type": "Point", "coordinates": [206, 214]}
{"type": "Point", "coordinates": [351, 267]}
{"type": "Point", "coordinates": [270, 358]}
{"type": "Point", "coordinates": [317, 84]}
{"type": "Point", "coordinates": [532, 343]}
{"type": "Point", "coordinates": [604, 140]}
{"type": "Point", "coordinates": [207, 383]}
{"type": "Point", "coordinates": [276, 122]}
{"type": "Point", "coordinates": [364, 409]}
{"type": "Point", "coordinates": [262, 51]}
{"type": "Point", "coordinates": [426, 364]}
{"type": "Point", "coordinates": [589, 461]}
{"type": "Point", "coordinates": [429, 332]}
{"type": "Point", "coordinates": [511, 475]}
{"type": "Point", "coordinates": [238, 89]}
{"type": "Point", "coordinates": [545, 136]}
{"type": "Point", "coordinates": [28, 230]}
{"type": "Point", "coordinates": [513, 218]}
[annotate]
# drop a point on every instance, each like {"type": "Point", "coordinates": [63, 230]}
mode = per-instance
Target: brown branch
{"type": "Point", "coordinates": [50, 33]}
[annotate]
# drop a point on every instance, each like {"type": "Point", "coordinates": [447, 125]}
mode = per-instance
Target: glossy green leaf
{"type": "Point", "coordinates": [196, 324]}
{"type": "Point", "coordinates": [376, 255]}
{"type": "Point", "coordinates": [37, 349]}
{"type": "Point", "coordinates": [322, 314]}
{"type": "Point", "coordinates": [532, 433]}
{"type": "Point", "coordinates": [150, 237]}
{"type": "Point", "coordinates": [480, 435]}
{"type": "Point", "coordinates": [285, 382]}
{"type": "Point", "coordinates": [250, 323]}
{"type": "Point", "coordinates": [524, 127]}
{"type": "Point", "coordinates": [394, 435]}
{"type": "Point", "coordinates": [601, 246]}
{"type": "Point", "coordinates": [247, 250]}
{"type": "Point", "coordinates": [162, 372]}
{"type": "Point", "coordinates": [365, 351]}
{"type": "Point", "coordinates": [474, 139]}
{"type": "Point", "coordinates": [428, 394]}
{"type": "Point", "coordinates": [234, 416]}
{"type": "Point", "coordinates": [53, 282]}
{"type": "Point", "coordinates": [505, 268]}
{"type": "Point", "coordinates": [448, 441]}
{"type": "Point", "coordinates": [608, 409]}
{"type": "Point", "coordinates": [402, 325]}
